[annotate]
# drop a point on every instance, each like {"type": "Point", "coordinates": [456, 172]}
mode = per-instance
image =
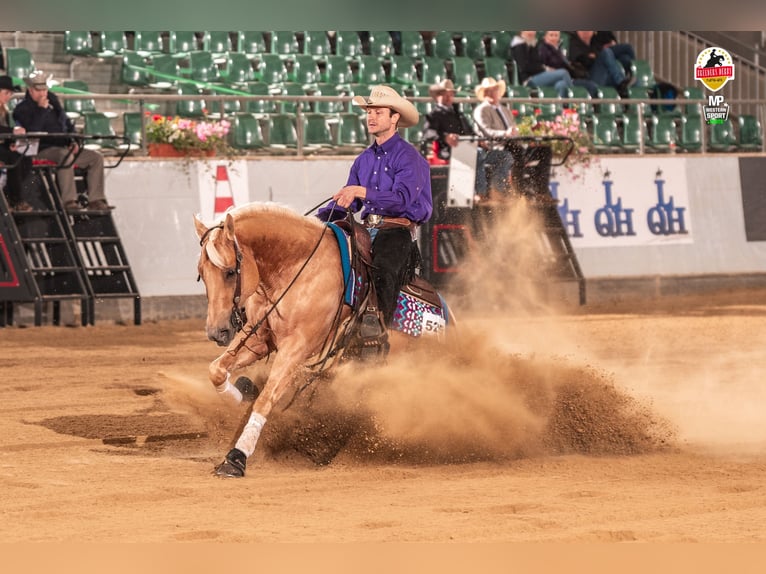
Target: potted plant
{"type": "Point", "coordinates": [173, 136]}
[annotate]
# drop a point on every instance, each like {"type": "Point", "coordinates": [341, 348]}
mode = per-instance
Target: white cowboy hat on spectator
{"type": "Point", "coordinates": [488, 83]}
{"type": "Point", "coordinates": [387, 97]}
{"type": "Point", "coordinates": [443, 86]}
{"type": "Point", "coordinates": [38, 79]}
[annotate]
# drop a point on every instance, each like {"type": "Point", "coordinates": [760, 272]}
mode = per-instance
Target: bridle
{"type": "Point", "coordinates": [238, 317]}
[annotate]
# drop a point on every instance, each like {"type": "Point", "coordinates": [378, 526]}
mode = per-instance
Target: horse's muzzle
{"type": "Point", "coordinates": [220, 335]}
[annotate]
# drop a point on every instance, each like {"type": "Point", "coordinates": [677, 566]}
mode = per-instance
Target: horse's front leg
{"type": "Point", "coordinates": [280, 378]}
{"type": "Point", "coordinates": [235, 357]}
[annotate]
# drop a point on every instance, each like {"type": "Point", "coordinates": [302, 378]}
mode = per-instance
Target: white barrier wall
{"type": "Point", "coordinates": [626, 216]}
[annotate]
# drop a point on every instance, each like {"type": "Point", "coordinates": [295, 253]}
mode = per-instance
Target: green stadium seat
{"type": "Point", "coordinates": [165, 71]}
{"type": "Point", "coordinates": [497, 68]}
{"type": "Point", "coordinates": [693, 93]}
{"type": "Point", "coordinates": [147, 43]}
{"type": "Point", "coordinates": [251, 43]}
{"type": "Point", "coordinates": [412, 44]}
{"type": "Point", "coordinates": [76, 107]}
{"type": "Point", "coordinates": [638, 93]}
{"type": "Point", "coordinates": [284, 43]}
{"type": "Point", "coordinates": [316, 132]}
{"type": "Point", "coordinates": [464, 74]}
{"type": "Point", "coordinates": [370, 70]}
{"type": "Point", "coordinates": [403, 70]}
{"type": "Point", "coordinates": [238, 69]}
{"type": "Point", "coordinates": [750, 136]}
{"type": "Point", "coordinates": [316, 44]}
{"type": "Point", "coordinates": [608, 93]}
{"type": "Point", "coordinates": [78, 43]}
{"type": "Point", "coordinates": [722, 138]}
{"type": "Point", "coordinates": [259, 106]}
{"type": "Point", "coordinates": [474, 47]}
{"type": "Point", "coordinates": [337, 70]}
{"type": "Point", "coordinates": [19, 62]}
{"type": "Point", "coordinates": [433, 70]}
{"type": "Point", "coordinates": [352, 133]}
{"type": "Point", "coordinates": [271, 69]}
{"type": "Point", "coordinates": [203, 68]}
{"type": "Point", "coordinates": [550, 103]}
{"type": "Point", "coordinates": [291, 89]}
{"type": "Point", "coordinates": [181, 43]}
{"type": "Point", "coordinates": [443, 45]}
{"type": "Point", "coordinates": [643, 73]}
{"type": "Point", "coordinates": [381, 45]}
{"type": "Point", "coordinates": [633, 132]}
{"type": "Point", "coordinates": [113, 43]}
{"type": "Point", "coordinates": [99, 124]}
{"type": "Point", "coordinates": [230, 106]}
{"type": "Point", "coordinates": [282, 134]}
{"type": "Point", "coordinates": [348, 44]}
{"type": "Point", "coordinates": [500, 45]}
{"type": "Point", "coordinates": [328, 107]}
{"type": "Point", "coordinates": [217, 43]}
{"type": "Point", "coordinates": [521, 108]}
{"type": "Point", "coordinates": [691, 133]}
{"type": "Point", "coordinates": [605, 134]}
{"type": "Point", "coordinates": [304, 70]}
{"type": "Point", "coordinates": [584, 109]}
{"type": "Point", "coordinates": [245, 132]}
{"type": "Point", "coordinates": [190, 108]}
{"type": "Point", "coordinates": [132, 126]}
{"type": "Point", "coordinates": [664, 135]}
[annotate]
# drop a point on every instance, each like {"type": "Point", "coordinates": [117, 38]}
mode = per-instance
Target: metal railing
{"type": "Point", "coordinates": [149, 103]}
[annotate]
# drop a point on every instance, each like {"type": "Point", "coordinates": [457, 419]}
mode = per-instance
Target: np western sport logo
{"type": "Point", "coordinates": [714, 68]}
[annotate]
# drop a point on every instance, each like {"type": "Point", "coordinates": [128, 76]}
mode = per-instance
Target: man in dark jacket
{"type": "Point", "coordinates": [17, 166]}
{"type": "Point", "coordinates": [41, 111]}
{"type": "Point", "coordinates": [600, 62]}
{"type": "Point", "coordinates": [445, 122]}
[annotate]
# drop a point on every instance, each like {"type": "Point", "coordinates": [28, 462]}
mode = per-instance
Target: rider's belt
{"type": "Point", "coordinates": [381, 222]}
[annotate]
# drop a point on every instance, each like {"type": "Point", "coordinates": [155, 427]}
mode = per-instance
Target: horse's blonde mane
{"type": "Point", "coordinates": [213, 248]}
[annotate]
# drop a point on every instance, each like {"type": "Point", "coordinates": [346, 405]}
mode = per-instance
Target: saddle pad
{"type": "Point", "coordinates": [349, 294]}
{"type": "Point", "coordinates": [416, 317]}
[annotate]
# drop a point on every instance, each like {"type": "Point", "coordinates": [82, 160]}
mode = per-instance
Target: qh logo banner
{"type": "Point", "coordinates": [714, 68]}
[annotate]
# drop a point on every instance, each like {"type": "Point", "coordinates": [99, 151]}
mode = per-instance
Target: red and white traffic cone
{"type": "Point", "coordinates": [224, 199]}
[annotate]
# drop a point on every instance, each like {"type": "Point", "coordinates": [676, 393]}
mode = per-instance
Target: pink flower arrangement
{"type": "Point", "coordinates": [185, 134]}
{"type": "Point", "coordinates": [566, 125]}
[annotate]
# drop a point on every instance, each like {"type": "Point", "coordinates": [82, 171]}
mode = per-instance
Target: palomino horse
{"type": "Point", "coordinates": [275, 283]}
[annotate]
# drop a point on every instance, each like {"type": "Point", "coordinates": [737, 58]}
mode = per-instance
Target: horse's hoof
{"type": "Point", "coordinates": [233, 466]}
{"type": "Point", "coordinates": [249, 391]}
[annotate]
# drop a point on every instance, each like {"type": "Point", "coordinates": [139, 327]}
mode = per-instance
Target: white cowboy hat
{"type": "Point", "coordinates": [488, 83]}
{"type": "Point", "coordinates": [387, 97]}
{"type": "Point", "coordinates": [443, 86]}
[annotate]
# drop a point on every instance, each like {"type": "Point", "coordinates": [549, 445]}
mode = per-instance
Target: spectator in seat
{"type": "Point", "coordinates": [531, 69]}
{"type": "Point", "coordinates": [41, 111]}
{"type": "Point", "coordinates": [494, 122]}
{"type": "Point", "coordinates": [624, 53]}
{"type": "Point", "coordinates": [18, 167]}
{"type": "Point", "coordinates": [600, 63]}
{"type": "Point", "coordinates": [445, 122]}
{"type": "Point", "coordinates": [552, 57]}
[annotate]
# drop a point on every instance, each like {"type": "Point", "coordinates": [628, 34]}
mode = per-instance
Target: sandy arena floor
{"type": "Point", "coordinates": [629, 422]}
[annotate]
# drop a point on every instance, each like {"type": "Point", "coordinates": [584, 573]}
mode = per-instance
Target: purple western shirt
{"type": "Point", "coordinates": [397, 179]}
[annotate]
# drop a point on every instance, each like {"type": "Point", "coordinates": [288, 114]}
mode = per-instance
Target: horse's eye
{"type": "Point", "coordinates": [230, 273]}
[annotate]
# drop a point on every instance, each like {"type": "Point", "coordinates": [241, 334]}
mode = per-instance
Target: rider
{"type": "Point", "coordinates": [390, 183]}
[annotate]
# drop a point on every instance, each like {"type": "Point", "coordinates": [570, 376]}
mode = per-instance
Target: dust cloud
{"type": "Point", "coordinates": [487, 394]}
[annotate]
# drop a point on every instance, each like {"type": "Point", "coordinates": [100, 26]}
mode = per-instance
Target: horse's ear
{"type": "Point", "coordinates": [199, 226]}
{"type": "Point", "coordinates": [228, 227]}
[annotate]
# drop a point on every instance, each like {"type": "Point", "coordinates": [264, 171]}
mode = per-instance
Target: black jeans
{"type": "Point", "coordinates": [391, 258]}
{"type": "Point", "coordinates": [16, 176]}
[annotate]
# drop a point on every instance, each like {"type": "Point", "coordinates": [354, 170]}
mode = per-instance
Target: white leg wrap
{"type": "Point", "coordinates": [249, 437]}
{"type": "Point", "coordinates": [229, 392]}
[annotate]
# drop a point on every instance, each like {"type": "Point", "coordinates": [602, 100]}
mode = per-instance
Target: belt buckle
{"type": "Point", "coordinates": [373, 220]}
